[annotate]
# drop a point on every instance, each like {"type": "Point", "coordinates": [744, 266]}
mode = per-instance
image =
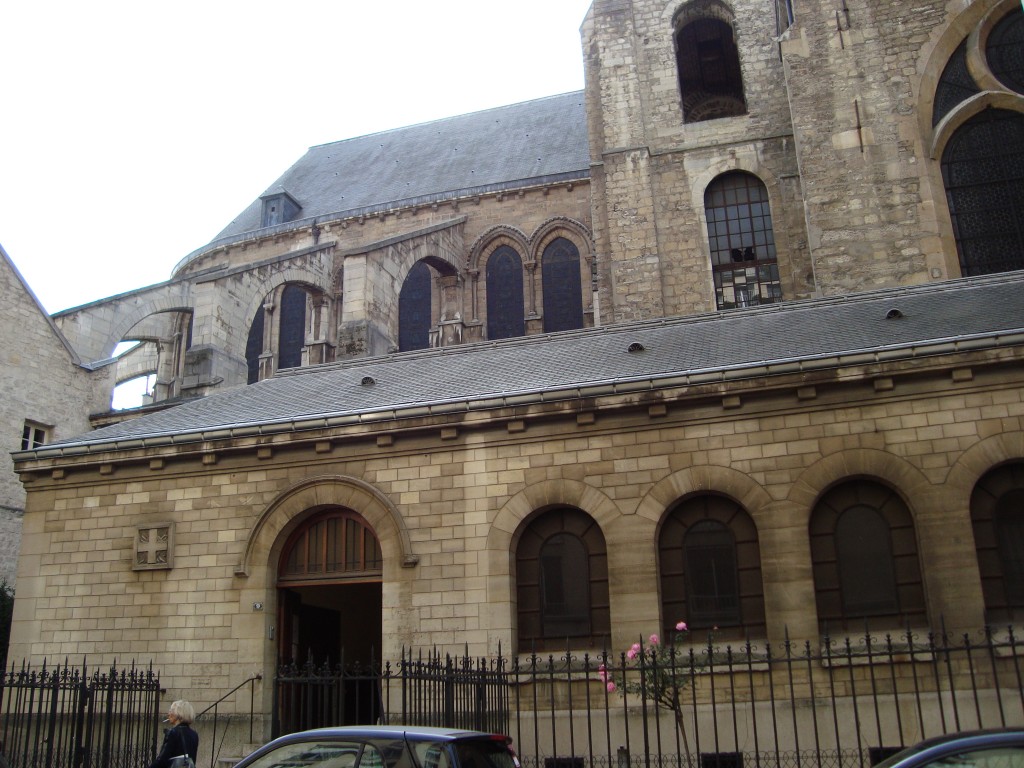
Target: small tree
{"type": "Point", "coordinates": [663, 672]}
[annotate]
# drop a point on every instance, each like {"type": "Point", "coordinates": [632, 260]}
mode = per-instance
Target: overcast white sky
{"type": "Point", "coordinates": [134, 131]}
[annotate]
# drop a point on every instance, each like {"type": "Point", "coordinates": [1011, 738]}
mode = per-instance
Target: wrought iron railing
{"type": "Point", "coordinates": [71, 717]}
{"type": "Point", "coordinates": [211, 716]}
{"type": "Point", "coordinates": [837, 703]}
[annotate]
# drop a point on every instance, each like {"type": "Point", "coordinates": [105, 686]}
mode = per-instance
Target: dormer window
{"type": "Point", "coordinates": [279, 208]}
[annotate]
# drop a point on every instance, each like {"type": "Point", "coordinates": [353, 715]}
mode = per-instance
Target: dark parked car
{"type": "Point", "coordinates": [974, 749]}
{"type": "Point", "coordinates": [385, 746]}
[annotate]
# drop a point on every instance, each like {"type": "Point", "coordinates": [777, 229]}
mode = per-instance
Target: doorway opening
{"type": "Point", "coordinates": [329, 615]}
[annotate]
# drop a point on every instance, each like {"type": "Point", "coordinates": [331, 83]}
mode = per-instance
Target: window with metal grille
{"type": "Point", "coordinates": [505, 314]}
{"type": "Point", "coordinates": [710, 567]}
{"type": "Point", "coordinates": [983, 171]}
{"type": "Point", "coordinates": [864, 554]}
{"type": "Point", "coordinates": [743, 260]}
{"type": "Point", "coordinates": [1004, 50]}
{"type": "Point", "coordinates": [414, 308]}
{"type": "Point", "coordinates": [712, 581]}
{"type": "Point", "coordinates": [708, 63]}
{"type": "Point", "coordinates": [332, 544]}
{"type": "Point", "coordinates": [955, 85]}
{"type": "Point", "coordinates": [562, 285]}
{"type": "Point", "coordinates": [562, 582]}
{"type": "Point", "coordinates": [997, 518]}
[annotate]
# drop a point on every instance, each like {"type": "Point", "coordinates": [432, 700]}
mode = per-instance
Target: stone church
{"type": "Point", "coordinates": [734, 335]}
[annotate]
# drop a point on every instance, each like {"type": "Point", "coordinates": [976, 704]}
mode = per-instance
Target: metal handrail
{"type": "Point", "coordinates": [214, 707]}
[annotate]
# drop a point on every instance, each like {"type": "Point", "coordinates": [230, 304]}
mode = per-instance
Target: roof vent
{"type": "Point", "coordinates": [368, 381]}
{"type": "Point", "coordinates": [893, 314]}
{"type": "Point", "coordinates": [636, 346]}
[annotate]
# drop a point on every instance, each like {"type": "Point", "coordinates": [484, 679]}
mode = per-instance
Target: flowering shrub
{"type": "Point", "coordinates": [662, 672]}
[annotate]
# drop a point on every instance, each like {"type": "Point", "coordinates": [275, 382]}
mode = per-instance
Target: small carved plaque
{"type": "Point", "coordinates": [153, 547]}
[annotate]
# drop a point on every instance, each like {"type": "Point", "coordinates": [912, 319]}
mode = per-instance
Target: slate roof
{"type": "Point", "coordinates": [475, 153]}
{"type": "Point", "coordinates": [935, 318]}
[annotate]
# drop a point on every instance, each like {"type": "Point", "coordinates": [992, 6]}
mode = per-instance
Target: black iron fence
{"type": "Point", "coordinates": [71, 717]}
{"type": "Point", "coordinates": [844, 703]}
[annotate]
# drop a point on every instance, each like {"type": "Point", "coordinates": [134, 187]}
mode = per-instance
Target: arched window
{"type": "Point", "coordinates": [983, 171]}
{"type": "Point", "coordinates": [562, 582]}
{"type": "Point", "coordinates": [414, 309]}
{"type": "Point", "coordinates": [708, 62]}
{"type": "Point", "coordinates": [254, 346]}
{"type": "Point", "coordinates": [335, 544]}
{"type": "Point", "coordinates": [864, 552]}
{"type": "Point", "coordinates": [710, 567]}
{"type": "Point", "coordinates": [743, 260]}
{"type": "Point", "coordinates": [563, 288]}
{"type": "Point", "coordinates": [997, 516]}
{"type": "Point", "coordinates": [292, 329]}
{"type": "Point", "coordinates": [505, 316]}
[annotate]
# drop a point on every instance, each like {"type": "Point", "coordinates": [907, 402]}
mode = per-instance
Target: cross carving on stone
{"type": "Point", "coordinates": [153, 547]}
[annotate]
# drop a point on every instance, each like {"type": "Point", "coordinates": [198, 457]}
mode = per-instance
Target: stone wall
{"type": "Point", "coordinates": [447, 497]}
{"type": "Point", "coordinates": [44, 386]}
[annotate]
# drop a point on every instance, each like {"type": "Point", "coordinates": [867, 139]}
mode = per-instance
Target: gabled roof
{"type": "Point", "coordinates": [893, 324]}
{"type": "Point", "coordinates": [506, 147]}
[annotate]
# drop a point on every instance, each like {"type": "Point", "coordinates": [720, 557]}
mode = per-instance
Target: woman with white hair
{"type": "Point", "coordinates": [179, 740]}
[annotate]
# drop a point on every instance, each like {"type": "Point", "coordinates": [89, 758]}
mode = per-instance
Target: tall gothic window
{"type": "Point", "coordinates": [562, 582]}
{"type": "Point", "coordinates": [710, 567]}
{"type": "Point", "coordinates": [292, 331]}
{"type": "Point", "coordinates": [505, 314]}
{"type": "Point", "coordinates": [563, 288]}
{"type": "Point", "coordinates": [997, 516]}
{"type": "Point", "coordinates": [254, 345]}
{"type": "Point", "coordinates": [864, 552]}
{"type": "Point", "coordinates": [983, 171]}
{"type": "Point", "coordinates": [708, 62]}
{"type": "Point", "coordinates": [743, 261]}
{"type": "Point", "coordinates": [414, 309]}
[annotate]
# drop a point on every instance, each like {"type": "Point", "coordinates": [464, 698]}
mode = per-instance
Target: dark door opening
{"type": "Point", "coordinates": [329, 656]}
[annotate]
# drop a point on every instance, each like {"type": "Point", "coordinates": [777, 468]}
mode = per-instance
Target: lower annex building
{"type": "Point", "coordinates": [734, 335]}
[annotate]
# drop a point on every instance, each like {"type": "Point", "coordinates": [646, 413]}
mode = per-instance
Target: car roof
{"type": "Point", "coordinates": [408, 731]}
{"type": "Point", "coordinates": [955, 742]}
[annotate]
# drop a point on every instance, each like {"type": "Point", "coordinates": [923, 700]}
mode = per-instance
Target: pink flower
{"type": "Point", "coordinates": [602, 672]}
{"type": "Point", "coordinates": [681, 626]}
{"type": "Point", "coordinates": [633, 651]}
{"type": "Point", "coordinates": [655, 639]}
{"type": "Point", "coordinates": [610, 686]}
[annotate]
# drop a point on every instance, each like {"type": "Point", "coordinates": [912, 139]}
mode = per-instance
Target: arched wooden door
{"type": "Point", "coordinates": [329, 591]}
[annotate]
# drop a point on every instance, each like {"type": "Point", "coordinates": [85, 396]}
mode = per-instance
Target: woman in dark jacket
{"type": "Point", "coordinates": [179, 739]}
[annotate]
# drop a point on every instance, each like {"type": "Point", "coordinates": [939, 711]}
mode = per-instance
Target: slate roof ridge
{"type": "Point", "coordinates": [448, 119]}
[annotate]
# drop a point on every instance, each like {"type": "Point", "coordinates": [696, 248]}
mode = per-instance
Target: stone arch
{"type": "Point", "coordinates": [978, 460]}
{"type": "Point", "coordinates": [707, 478]}
{"type": "Point", "coordinates": [508, 525]}
{"type": "Point", "coordinates": [561, 226]}
{"type": "Point", "coordinates": [869, 463]}
{"type": "Point", "coordinates": [267, 534]}
{"type": "Point", "coordinates": [951, 123]}
{"type": "Point", "coordinates": [492, 239]}
{"type": "Point", "coordinates": [260, 290]}
{"type": "Point", "coordinates": [125, 322]}
{"type": "Point", "coordinates": [676, 14]}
